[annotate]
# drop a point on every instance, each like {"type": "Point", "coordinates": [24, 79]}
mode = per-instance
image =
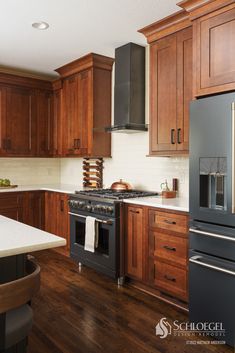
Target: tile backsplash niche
{"type": "Point", "coordinates": [30, 171]}
{"type": "Point", "coordinates": [130, 163]}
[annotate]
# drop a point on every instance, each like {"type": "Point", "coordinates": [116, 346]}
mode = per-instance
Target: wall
{"type": "Point", "coordinates": [130, 163]}
{"type": "Point", "coordinates": [29, 171]}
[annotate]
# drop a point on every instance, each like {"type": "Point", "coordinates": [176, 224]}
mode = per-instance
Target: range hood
{"type": "Point", "coordinates": [129, 90]}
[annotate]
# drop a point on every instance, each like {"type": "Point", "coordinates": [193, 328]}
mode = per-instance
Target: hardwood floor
{"type": "Point", "coordinates": [87, 313]}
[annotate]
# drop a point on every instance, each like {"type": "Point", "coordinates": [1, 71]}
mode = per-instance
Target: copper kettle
{"type": "Point", "coordinates": [120, 186]}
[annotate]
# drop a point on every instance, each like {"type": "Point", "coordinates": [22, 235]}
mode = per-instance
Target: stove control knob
{"type": "Point", "coordinates": [110, 209]}
{"type": "Point", "coordinates": [88, 208]}
{"type": "Point", "coordinates": [81, 204]}
{"type": "Point", "coordinates": [97, 207]}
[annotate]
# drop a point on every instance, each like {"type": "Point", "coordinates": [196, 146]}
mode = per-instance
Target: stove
{"type": "Point", "coordinates": [106, 206]}
{"type": "Point", "coordinates": [115, 195]}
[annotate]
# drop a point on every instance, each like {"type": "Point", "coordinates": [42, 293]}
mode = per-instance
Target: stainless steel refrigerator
{"type": "Point", "coordinates": [212, 214]}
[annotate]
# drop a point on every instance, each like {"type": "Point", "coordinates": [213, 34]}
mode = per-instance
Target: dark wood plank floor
{"type": "Point", "coordinates": [87, 313]}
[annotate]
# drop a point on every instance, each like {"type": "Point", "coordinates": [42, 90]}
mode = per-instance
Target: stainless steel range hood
{"type": "Point", "coordinates": [129, 90]}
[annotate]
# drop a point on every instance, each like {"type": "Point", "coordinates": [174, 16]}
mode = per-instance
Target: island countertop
{"type": "Point", "coordinates": [18, 238]}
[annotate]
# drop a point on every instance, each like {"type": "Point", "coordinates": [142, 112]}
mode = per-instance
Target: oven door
{"type": "Point", "coordinates": [104, 259]}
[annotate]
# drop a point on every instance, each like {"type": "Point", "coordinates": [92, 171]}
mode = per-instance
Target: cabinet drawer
{"type": "Point", "coordinates": [171, 279]}
{"type": "Point", "coordinates": [170, 221]}
{"type": "Point", "coordinates": [170, 248]}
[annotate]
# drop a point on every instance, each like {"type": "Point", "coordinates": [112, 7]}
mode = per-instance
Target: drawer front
{"type": "Point", "coordinates": [170, 221]}
{"type": "Point", "coordinates": [170, 248]}
{"type": "Point", "coordinates": [170, 278]}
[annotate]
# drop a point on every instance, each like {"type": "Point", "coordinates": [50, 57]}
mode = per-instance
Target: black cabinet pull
{"type": "Point", "coordinates": [170, 248]}
{"type": "Point", "coordinates": [172, 136]}
{"type": "Point", "coordinates": [179, 136]}
{"type": "Point", "coordinates": [170, 278]}
{"type": "Point", "coordinates": [169, 222]}
{"type": "Point", "coordinates": [76, 144]}
{"type": "Point", "coordinates": [9, 144]}
{"type": "Point", "coordinates": [132, 211]}
{"type": "Point", "coordinates": [4, 144]}
{"type": "Point", "coordinates": [62, 205]}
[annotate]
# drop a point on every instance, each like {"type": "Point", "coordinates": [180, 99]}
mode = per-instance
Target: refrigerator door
{"type": "Point", "coordinates": [212, 159]}
{"type": "Point", "coordinates": [212, 293]}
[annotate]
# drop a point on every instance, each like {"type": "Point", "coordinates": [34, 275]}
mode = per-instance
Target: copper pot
{"type": "Point", "coordinates": [120, 186]}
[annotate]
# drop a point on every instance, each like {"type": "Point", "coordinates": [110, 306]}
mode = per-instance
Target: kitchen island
{"type": "Point", "coordinates": [16, 241]}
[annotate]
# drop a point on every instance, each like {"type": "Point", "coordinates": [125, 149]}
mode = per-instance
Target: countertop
{"type": "Point", "coordinates": [18, 238]}
{"type": "Point", "coordinates": [177, 204]}
{"type": "Point", "coordinates": [63, 188]}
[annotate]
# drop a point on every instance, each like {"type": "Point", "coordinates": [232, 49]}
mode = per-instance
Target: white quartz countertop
{"type": "Point", "coordinates": [18, 238]}
{"type": "Point", "coordinates": [177, 204]}
{"type": "Point", "coordinates": [63, 188]}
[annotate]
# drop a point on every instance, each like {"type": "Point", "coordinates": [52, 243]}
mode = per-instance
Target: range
{"type": "Point", "coordinates": [105, 205]}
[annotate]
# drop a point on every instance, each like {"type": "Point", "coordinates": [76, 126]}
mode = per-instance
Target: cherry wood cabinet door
{"type": "Point", "coordinates": [44, 101]}
{"type": "Point", "coordinates": [215, 51]}
{"type": "Point", "coordinates": [50, 212]}
{"type": "Point", "coordinates": [163, 90]}
{"type": "Point", "coordinates": [34, 209]}
{"type": "Point", "coordinates": [19, 122]}
{"type": "Point", "coordinates": [57, 127]}
{"type": "Point", "coordinates": [75, 109]}
{"type": "Point", "coordinates": [11, 205]}
{"type": "Point", "coordinates": [134, 243]}
{"type": "Point", "coordinates": [63, 217]}
{"type": "Point", "coordinates": [184, 86]}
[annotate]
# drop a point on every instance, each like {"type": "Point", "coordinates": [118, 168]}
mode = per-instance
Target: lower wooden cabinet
{"type": "Point", "coordinates": [134, 242]}
{"type": "Point", "coordinates": [34, 209]}
{"type": "Point", "coordinates": [157, 249]}
{"type": "Point", "coordinates": [11, 205]}
{"type": "Point", "coordinates": [56, 215]}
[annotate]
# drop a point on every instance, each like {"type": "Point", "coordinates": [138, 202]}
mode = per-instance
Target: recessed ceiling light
{"type": "Point", "coordinates": [40, 25]}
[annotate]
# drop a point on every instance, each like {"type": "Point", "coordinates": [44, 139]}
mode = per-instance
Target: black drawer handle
{"type": "Point", "coordinates": [170, 278]}
{"type": "Point", "coordinates": [169, 222]}
{"type": "Point", "coordinates": [170, 248]}
{"type": "Point", "coordinates": [172, 136]}
{"type": "Point", "coordinates": [132, 211]}
{"type": "Point", "coordinates": [179, 136]}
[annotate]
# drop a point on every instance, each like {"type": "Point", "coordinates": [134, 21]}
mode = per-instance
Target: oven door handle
{"type": "Point", "coordinates": [197, 260]}
{"type": "Point", "coordinates": [108, 221]}
{"type": "Point", "coordinates": [213, 235]}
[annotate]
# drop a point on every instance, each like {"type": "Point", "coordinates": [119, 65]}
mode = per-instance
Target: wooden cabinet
{"type": "Point", "coordinates": [18, 122]}
{"type": "Point", "coordinates": [34, 209]}
{"type": "Point", "coordinates": [86, 106]}
{"type": "Point", "coordinates": [134, 242]}
{"type": "Point", "coordinates": [170, 93]}
{"type": "Point", "coordinates": [11, 205]}
{"type": "Point", "coordinates": [168, 252]}
{"type": "Point", "coordinates": [170, 84]}
{"type": "Point", "coordinates": [26, 118]}
{"type": "Point", "coordinates": [75, 114]}
{"type": "Point", "coordinates": [213, 37]}
{"type": "Point", "coordinates": [156, 250]}
{"type": "Point", "coordinates": [56, 216]}
{"type": "Point", "coordinates": [44, 104]}
{"type": "Point", "coordinates": [57, 126]}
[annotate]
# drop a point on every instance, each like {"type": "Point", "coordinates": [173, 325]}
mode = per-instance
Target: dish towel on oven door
{"type": "Point", "coordinates": [92, 234]}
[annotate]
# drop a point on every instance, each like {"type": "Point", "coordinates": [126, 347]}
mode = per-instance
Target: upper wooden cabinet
{"type": "Point", "coordinates": [18, 121]}
{"type": "Point", "coordinates": [170, 84]}
{"type": "Point", "coordinates": [44, 104]}
{"type": "Point", "coordinates": [25, 116]}
{"type": "Point", "coordinates": [86, 106]}
{"type": "Point", "coordinates": [214, 50]}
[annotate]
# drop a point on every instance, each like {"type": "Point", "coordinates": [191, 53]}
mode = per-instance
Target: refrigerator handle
{"type": "Point", "coordinates": [213, 235]}
{"type": "Point", "coordinates": [233, 157]}
{"type": "Point", "coordinates": [197, 260]}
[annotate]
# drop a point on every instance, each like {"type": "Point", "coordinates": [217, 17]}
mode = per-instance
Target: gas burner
{"type": "Point", "coordinates": [116, 195]}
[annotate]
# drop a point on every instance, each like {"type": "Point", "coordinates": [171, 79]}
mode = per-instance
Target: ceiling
{"type": "Point", "coordinates": [77, 27]}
